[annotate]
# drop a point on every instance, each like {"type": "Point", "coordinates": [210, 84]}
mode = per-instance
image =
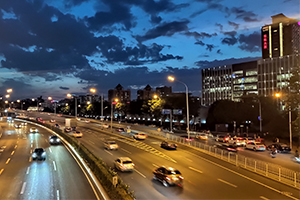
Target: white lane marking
{"type": "Point", "coordinates": [57, 194]}
{"type": "Point", "coordinates": [227, 183]}
{"type": "Point", "coordinates": [140, 173]}
{"type": "Point", "coordinates": [92, 142]}
{"type": "Point", "coordinates": [30, 151]}
{"type": "Point", "coordinates": [155, 165]}
{"type": "Point", "coordinates": [54, 165]}
{"type": "Point", "coordinates": [7, 161]}
{"type": "Point", "coordinates": [189, 159]}
{"type": "Point", "coordinates": [31, 145]}
{"type": "Point", "coordinates": [108, 152]}
{"type": "Point", "coordinates": [16, 146]}
{"type": "Point", "coordinates": [50, 150]}
{"type": "Point", "coordinates": [28, 168]}
{"type": "Point", "coordinates": [23, 188]}
{"type": "Point", "coordinates": [125, 150]}
{"type": "Point", "coordinates": [1, 171]}
{"type": "Point", "coordinates": [12, 153]}
{"type": "Point", "coordinates": [262, 197]}
{"type": "Point", "coordinates": [197, 170]}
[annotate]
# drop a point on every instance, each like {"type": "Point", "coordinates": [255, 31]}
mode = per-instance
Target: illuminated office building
{"type": "Point", "coordinates": [280, 38]}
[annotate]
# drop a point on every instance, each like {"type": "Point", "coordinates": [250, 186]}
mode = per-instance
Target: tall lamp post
{"type": "Point", "coordinates": [93, 90]}
{"type": "Point", "coordinates": [111, 112]}
{"type": "Point", "coordinates": [278, 95]}
{"type": "Point", "coordinates": [171, 78]}
{"type": "Point", "coordinates": [260, 118]}
{"type": "Point", "coordinates": [75, 98]}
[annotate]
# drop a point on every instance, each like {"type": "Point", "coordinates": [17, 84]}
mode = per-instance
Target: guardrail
{"type": "Point", "coordinates": [275, 172]}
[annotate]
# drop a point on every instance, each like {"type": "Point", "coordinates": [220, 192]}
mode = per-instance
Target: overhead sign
{"type": "Point", "coordinates": [166, 111]}
{"type": "Point", "coordinates": [177, 112]}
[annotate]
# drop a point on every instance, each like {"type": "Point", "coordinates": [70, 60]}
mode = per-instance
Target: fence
{"type": "Point", "coordinates": [269, 170]}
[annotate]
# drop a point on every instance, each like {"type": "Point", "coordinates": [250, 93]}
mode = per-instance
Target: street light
{"type": "Point", "coordinates": [75, 98]}
{"type": "Point", "coordinates": [7, 96]}
{"type": "Point", "coordinates": [278, 95]}
{"type": "Point", "coordinates": [9, 90]}
{"type": "Point", "coordinates": [93, 90]}
{"type": "Point", "coordinates": [111, 113]}
{"type": "Point", "coordinates": [171, 78]}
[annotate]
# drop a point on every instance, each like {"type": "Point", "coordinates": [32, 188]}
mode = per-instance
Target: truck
{"type": "Point", "coordinates": [71, 123]}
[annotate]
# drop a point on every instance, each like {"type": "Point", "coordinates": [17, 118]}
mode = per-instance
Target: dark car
{"type": "Point", "coordinates": [53, 139]}
{"type": "Point", "coordinates": [168, 176]}
{"type": "Point", "coordinates": [39, 154]}
{"type": "Point", "coordinates": [231, 148]}
{"type": "Point", "coordinates": [186, 138]}
{"type": "Point", "coordinates": [168, 145]}
{"type": "Point", "coordinates": [18, 126]}
{"type": "Point", "coordinates": [281, 147]}
{"type": "Point", "coordinates": [120, 129]}
{"type": "Point", "coordinates": [222, 138]}
{"type": "Point", "coordinates": [57, 125]}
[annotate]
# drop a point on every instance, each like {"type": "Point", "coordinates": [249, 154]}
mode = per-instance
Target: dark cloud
{"type": "Point", "coordinates": [197, 35]}
{"type": "Point", "coordinates": [210, 5]}
{"type": "Point", "coordinates": [220, 26]}
{"type": "Point", "coordinates": [219, 52]}
{"type": "Point", "coordinates": [64, 88]}
{"type": "Point", "coordinates": [155, 19]}
{"type": "Point", "coordinates": [230, 33]}
{"type": "Point", "coordinates": [235, 25]}
{"type": "Point", "coordinates": [165, 29]}
{"type": "Point", "coordinates": [199, 43]}
{"type": "Point", "coordinates": [250, 43]}
{"type": "Point", "coordinates": [230, 40]}
{"type": "Point", "coordinates": [247, 16]}
{"type": "Point", "coordinates": [210, 47]}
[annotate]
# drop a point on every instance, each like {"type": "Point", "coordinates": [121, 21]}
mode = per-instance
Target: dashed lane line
{"type": "Point", "coordinates": [140, 173]}
{"type": "Point", "coordinates": [1, 171]}
{"type": "Point", "coordinates": [227, 183]}
{"type": "Point", "coordinates": [264, 198]}
{"type": "Point", "coordinates": [23, 188]}
{"type": "Point", "coordinates": [16, 146]}
{"type": "Point", "coordinates": [54, 165]}
{"type": "Point", "coordinates": [196, 170]}
{"type": "Point", "coordinates": [12, 153]}
{"type": "Point", "coordinates": [108, 152]}
{"type": "Point", "coordinates": [7, 161]}
{"type": "Point", "coordinates": [28, 168]}
{"type": "Point", "coordinates": [125, 150]}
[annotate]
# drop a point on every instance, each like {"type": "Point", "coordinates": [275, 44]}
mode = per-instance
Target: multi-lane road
{"type": "Point", "coordinates": [58, 177]}
{"type": "Point", "coordinates": [205, 177]}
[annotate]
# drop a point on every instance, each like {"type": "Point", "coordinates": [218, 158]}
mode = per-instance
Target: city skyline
{"type": "Point", "coordinates": [51, 48]}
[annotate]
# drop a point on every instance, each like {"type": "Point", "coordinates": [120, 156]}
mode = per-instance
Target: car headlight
{"type": "Point", "coordinates": [44, 154]}
{"type": "Point", "coordinates": [34, 155]}
{"type": "Point", "coordinates": [51, 140]}
{"type": "Point", "coordinates": [57, 140]}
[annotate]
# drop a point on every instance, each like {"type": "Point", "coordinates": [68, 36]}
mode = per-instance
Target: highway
{"type": "Point", "coordinates": [58, 177]}
{"type": "Point", "coordinates": [205, 177]}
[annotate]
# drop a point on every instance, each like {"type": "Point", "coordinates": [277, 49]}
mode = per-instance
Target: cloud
{"type": "Point", "coordinates": [235, 25]}
{"type": "Point", "coordinates": [247, 16]}
{"type": "Point", "coordinates": [197, 35]}
{"type": "Point", "coordinates": [199, 43]}
{"type": "Point", "coordinates": [64, 88]}
{"type": "Point", "coordinates": [250, 43]}
{"type": "Point", "coordinates": [155, 19]}
{"type": "Point", "coordinates": [219, 52]}
{"type": "Point", "coordinates": [209, 47]}
{"type": "Point", "coordinates": [220, 26]}
{"type": "Point", "coordinates": [230, 40]}
{"type": "Point", "coordinates": [165, 29]}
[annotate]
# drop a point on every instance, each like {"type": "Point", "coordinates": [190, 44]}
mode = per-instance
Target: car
{"type": "Point", "coordinates": [238, 141]}
{"type": "Point", "coordinates": [124, 164]}
{"type": "Point", "coordinates": [54, 139]}
{"type": "Point", "coordinates": [120, 129]}
{"type": "Point", "coordinates": [77, 134]}
{"type": "Point", "coordinates": [222, 138]}
{"type": "Point", "coordinates": [18, 126]}
{"type": "Point", "coordinates": [281, 147]}
{"type": "Point", "coordinates": [255, 146]}
{"type": "Point", "coordinates": [168, 176]}
{"type": "Point", "coordinates": [139, 136]}
{"type": "Point", "coordinates": [186, 138]}
{"type": "Point", "coordinates": [105, 126]}
{"type": "Point", "coordinates": [24, 124]}
{"type": "Point", "coordinates": [86, 121]}
{"type": "Point", "coordinates": [168, 145]}
{"type": "Point", "coordinates": [202, 136]}
{"type": "Point", "coordinates": [111, 145]}
{"type": "Point", "coordinates": [227, 147]}
{"type": "Point", "coordinates": [57, 125]}
{"type": "Point", "coordinates": [68, 129]}
{"type": "Point", "coordinates": [33, 130]}
{"type": "Point", "coordinates": [39, 154]}
{"type": "Point", "coordinates": [52, 120]}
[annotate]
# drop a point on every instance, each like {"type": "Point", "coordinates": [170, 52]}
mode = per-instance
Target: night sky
{"type": "Point", "coordinates": [55, 47]}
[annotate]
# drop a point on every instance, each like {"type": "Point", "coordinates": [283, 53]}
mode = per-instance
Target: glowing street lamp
{"type": "Point", "coordinates": [75, 98]}
{"type": "Point", "coordinates": [278, 95]}
{"type": "Point", "coordinates": [111, 113]}
{"type": "Point", "coordinates": [9, 90]}
{"type": "Point", "coordinates": [93, 90]}
{"type": "Point", "coordinates": [7, 96]}
{"type": "Point", "coordinates": [88, 103]}
{"type": "Point", "coordinates": [49, 98]}
{"type": "Point", "coordinates": [171, 78]}
{"type": "Point", "coordinates": [18, 101]}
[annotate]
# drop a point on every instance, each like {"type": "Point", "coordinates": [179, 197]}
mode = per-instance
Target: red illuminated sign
{"type": "Point", "coordinates": [265, 41]}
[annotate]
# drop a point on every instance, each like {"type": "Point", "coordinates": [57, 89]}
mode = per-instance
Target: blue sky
{"type": "Point", "coordinates": [55, 47]}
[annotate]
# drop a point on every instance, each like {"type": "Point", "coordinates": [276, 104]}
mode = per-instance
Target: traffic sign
{"type": "Point", "coordinates": [166, 111]}
{"type": "Point", "coordinates": [177, 112]}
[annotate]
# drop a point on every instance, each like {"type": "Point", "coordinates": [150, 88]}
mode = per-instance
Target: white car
{"type": "Point", "coordinates": [52, 120]}
{"type": "Point", "coordinates": [124, 164]}
{"type": "Point", "coordinates": [111, 145]}
{"type": "Point", "coordinates": [105, 126]}
{"type": "Point", "coordinates": [77, 134]}
{"type": "Point", "coordinates": [139, 136]}
{"type": "Point", "coordinates": [33, 130]}
{"type": "Point", "coordinates": [237, 141]}
{"type": "Point", "coordinates": [255, 146]}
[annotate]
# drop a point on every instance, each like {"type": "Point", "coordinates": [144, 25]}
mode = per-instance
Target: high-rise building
{"type": "Point", "coordinates": [163, 91]}
{"type": "Point", "coordinates": [280, 38]}
{"type": "Point", "coordinates": [122, 95]}
{"type": "Point", "coordinates": [146, 93]}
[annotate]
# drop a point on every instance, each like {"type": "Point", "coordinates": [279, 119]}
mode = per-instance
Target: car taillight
{"type": "Point", "coordinates": [168, 178]}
